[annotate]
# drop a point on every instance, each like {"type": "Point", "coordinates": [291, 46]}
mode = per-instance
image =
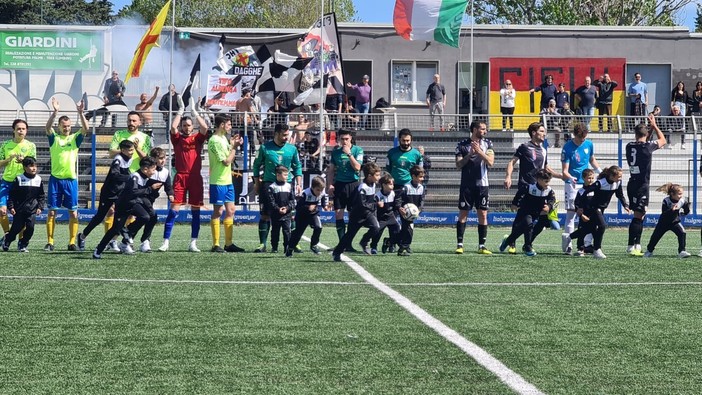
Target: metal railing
{"type": "Point", "coordinates": [677, 162]}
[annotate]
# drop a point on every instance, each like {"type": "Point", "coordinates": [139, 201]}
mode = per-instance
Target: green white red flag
{"type": "Point", "coordinates": [430, 20]}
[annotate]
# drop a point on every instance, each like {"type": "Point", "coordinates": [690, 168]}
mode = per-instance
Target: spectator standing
{"type": "Point", "coordinates": [332, 105]}
{"type": "Point", "coordinates": [566, 120]}
{"type": "Point", "coordinates": [507, 96]}
{"type": "Point", "coordinates": [350, 119]}
{"type": "Point", "coordinates": [696, 99]}
{"type": "Point", "coordinates": [552, 118]}
{"type": "Point", "coordinates": [547, 89]}
{"type": "Point", "coordinates": [562, 97]}
{"type": "Point", "coordinates": [604, 99]}
{"type": "Point", "coordinates": [638, 97]}
{"type": "Point", "coordinates": [679, 97]}
{"type": "Point", "coordinates": [163, 106]}
{"type": "Point", "coordinates": [426, 164]}
{"type": "Point", "coordinates": [436, 100]}
{"type": "Point", "coordinates": [145, 108]}
{"type": "Point", "coordinates": [587, 95]}
{"type": "Point", "coordinates": [245, 105]}
{"type": "Point", "coordinates": [676, 123]}
{"type": "Point", "coordinates": [363, 93]}
{"type": "Point", "coordinates": [112, 93]}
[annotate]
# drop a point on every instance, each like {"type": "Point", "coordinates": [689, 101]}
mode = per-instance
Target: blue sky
{"type": "Point", "coordinates": [380, 11]}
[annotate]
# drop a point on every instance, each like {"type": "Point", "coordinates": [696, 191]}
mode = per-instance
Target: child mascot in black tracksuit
{"type": "Point", "coordinates": [673, 207]}
{"type": "Point", "coordinates": [132, 202]}
{"type": "Point", "coordinates": [26, 200]}
{"type": "Point", "coordinates": [530, 201]}
{"type": "Point", "coordinates": [312, 200]}
{"type": "Point", "coordinates": [608, 183]}
{"type": "Point", "coordinates": [412, 192]}
{"type": "Point", "coordinates": [281, 201]}
{"type": "Point", "coordinates": [363, 211]}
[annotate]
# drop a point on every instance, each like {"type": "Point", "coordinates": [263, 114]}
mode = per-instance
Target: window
{"type": "Point", "coordinates": [410, 80]}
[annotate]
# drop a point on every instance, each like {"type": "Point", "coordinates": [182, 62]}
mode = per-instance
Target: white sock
{"type": "Point", "coordinates": [570, 222]}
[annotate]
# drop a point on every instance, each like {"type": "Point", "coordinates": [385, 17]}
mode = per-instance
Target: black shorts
{"type": "Point", "coordinates": [343, 194]}
{"type": "Point", "coordinates": [474, 197]}
{"type": "Point", "coordinates": [263, 203]}
{"type": "Point", "coordinates": [637, 192]}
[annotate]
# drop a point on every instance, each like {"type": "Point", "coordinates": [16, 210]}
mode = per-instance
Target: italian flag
{"type": "Point", "coordinates": [432, 20]}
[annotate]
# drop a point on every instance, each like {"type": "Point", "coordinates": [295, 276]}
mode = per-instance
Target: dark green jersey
{"type": "Point", "coordinates": [400, 162]}
{"type": "Point", "coordinates": [343, 172]}
{"type": "Point", "coordinates": [271, 155]}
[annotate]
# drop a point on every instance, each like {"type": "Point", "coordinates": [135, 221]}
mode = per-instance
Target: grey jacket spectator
{"type": "Point", "coordinates": [163, 104]}
{"type": "Point", "coordinates": [114, 89]}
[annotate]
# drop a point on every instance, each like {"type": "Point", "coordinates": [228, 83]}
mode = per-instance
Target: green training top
{"type": "Point", "coordinates": [271, 155]}
{"type": "Point", "coordinates": [399, 164]}
{"type": "Point", "coordinates": [64, 154]}
{"type": "Point", "coordinates": [9, 147]}
{"type": "Point", "coordinates": [342, 164]}
{"type": "Point", "coordinates": [144, 145]}
{"type": "Point", "coordinates": [218, 149]}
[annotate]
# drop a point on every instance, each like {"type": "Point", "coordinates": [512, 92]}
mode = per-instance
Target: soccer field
{"type": "Point", "coordinates": [179, 322]}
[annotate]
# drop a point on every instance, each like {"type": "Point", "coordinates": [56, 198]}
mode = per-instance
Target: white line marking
{"type": "Point", "coordinates": [347, 283]}
{"type": "Point", "coordinates": [548, 284]}
{"type": "Point", "coordinates": [166, 281]}
{"type": "Point", "coordinates": [512, 379]}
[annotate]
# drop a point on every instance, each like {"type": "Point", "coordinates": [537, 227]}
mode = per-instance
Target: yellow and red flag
{"type": "Point", "coordinates": [147, 42]}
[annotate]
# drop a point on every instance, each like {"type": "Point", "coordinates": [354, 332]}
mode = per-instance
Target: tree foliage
{"type": "Point", "coordinates": [698, 19]}
{"type": "Point", "coordinates": [56, 12]}
{"type": "Point", "coordinates": [580, 12]}
{"type": "Point", "coordinates": [241, 13]}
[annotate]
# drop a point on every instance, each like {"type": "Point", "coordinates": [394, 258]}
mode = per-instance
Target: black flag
{"type": "Point", "coordinates": [194, 80]}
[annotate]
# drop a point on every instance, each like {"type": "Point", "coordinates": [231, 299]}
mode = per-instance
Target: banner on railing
{"type": "Point", "coordinates": [528, 73]}
{"type": "Point", "coordinates": [426, 218]}
{"type": "Point", "coordinates": [51, 50]}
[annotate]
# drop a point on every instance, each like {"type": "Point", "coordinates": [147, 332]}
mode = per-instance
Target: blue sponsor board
{"type": "Point", "coordinates": [426, 218]}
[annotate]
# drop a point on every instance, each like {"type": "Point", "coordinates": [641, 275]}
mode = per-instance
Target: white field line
{"type": "Point", "coordinates": [349, 283]}
{"type": "Point", "coordinates": [550, 284]}
{"type": "Point", "coordinates": [168, 281]}
{"type": "Point", "coordinates": [512, 379]}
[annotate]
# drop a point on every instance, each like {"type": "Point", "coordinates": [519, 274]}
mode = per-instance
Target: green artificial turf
{"type": "Point", "coordinates": [179, 322]}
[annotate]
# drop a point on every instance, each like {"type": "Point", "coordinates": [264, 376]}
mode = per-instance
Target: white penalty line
{"type": "Point", "coordinates": [511, 378]}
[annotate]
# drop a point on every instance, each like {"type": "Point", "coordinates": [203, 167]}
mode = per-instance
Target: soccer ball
{"type": "Point", "coordinates": [411, 212]}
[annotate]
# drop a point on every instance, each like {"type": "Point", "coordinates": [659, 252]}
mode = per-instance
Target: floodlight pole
{"type": "Point", "coordinates": [170, 82]}
{"type": "Point", "coordinates": [321, 84]}
{"type": "Point", "coordinates": [472, 72]}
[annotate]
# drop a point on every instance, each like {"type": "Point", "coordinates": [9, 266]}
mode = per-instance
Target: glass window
{"type": "Point", "coordinates": [410, 80]}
